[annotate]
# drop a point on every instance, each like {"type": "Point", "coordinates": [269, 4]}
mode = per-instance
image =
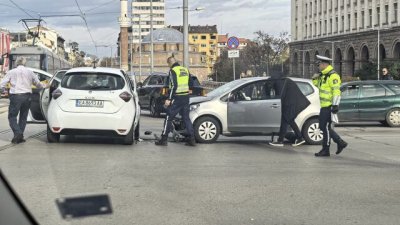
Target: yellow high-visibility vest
{"type": "Point", "coordinates": [182, 78]}
{"type": "Point", "coordinates": [328, 84]}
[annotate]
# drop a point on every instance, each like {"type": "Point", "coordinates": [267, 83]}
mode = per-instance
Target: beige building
{"type": "Point", "coordinates": [167, 42]}
{"type": "Point", "coordinates": [346, 30]}
{"type": "Point", "coordinates": [204, 38]}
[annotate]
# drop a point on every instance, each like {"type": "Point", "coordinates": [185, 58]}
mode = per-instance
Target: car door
{"type": "Point", "coordinates": [143, 97]}
{"type": "Point", "coordinates": [254, 108]}
{"type": "Point", "coordinates": [374, 102]}
{"type": "Point", "coordinates": [35, 111]}
{"type": "Point", "coordinates": [45, 96]}
{"type": "Point", "coordinates": [349, 103]}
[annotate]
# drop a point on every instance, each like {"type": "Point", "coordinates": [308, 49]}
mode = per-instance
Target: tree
{"type": "Point", "coordinates": [266, 54]}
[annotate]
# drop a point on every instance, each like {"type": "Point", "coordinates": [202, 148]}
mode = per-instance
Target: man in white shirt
{"type": "Point", "coordinates": [21, 80]}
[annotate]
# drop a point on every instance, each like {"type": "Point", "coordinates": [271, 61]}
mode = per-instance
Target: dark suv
{"type": "Point", "coordinates": [155, 89]}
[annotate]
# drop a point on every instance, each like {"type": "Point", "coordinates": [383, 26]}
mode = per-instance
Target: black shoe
{"type": "Point", "coordinates": [191, 142]}
{"type": "Point", "coordinates": [298, 142]}
{"type": "Point", "coordinates": [340, 146]}
{"type": "Point", "coordinates": [14, 140]}
{"type": "Point", "coordinates": [19, 138]}
{"type": "Point", "coordinates": [163, 141]}
{"type": "Point", "coordinates": [322, 153]}
{"type": "Point", "coordinates": [276, 143]}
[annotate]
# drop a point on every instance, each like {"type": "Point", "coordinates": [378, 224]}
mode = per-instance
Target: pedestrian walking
{"type": "Point", "coordinates": [21, 80]}
{"type": "Point", "coordinates": [328, 82]}
{"type": "Point", "coordinates": [386, 75]}
{"type": "Point", "coordinates": [293, 102]}
{"type": "Point", "coordinates": [177, 102]}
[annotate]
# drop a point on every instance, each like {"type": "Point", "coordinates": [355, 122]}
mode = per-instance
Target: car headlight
{"type": "Point", "coordinates": [194, 107]}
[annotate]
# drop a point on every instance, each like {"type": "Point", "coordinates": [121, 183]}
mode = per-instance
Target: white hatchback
{"type": "Point", "coordinates": [92, 101]}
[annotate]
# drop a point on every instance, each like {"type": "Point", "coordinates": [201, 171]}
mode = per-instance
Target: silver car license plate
{"type": "Point", "coordinates": [89, 103]}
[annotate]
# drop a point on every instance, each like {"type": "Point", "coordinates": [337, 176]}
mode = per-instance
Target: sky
{"type": "Point", "coordinates": [239, 18]}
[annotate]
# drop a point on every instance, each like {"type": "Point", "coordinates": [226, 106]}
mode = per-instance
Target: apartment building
{"type": "Point", "coordinates": [346, 30]}
{"type": "Point", "coordinates": [141, 17]}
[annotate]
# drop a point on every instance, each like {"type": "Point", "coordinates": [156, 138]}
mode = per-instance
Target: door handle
{"type": "Point", "coordinates": [275, 106]}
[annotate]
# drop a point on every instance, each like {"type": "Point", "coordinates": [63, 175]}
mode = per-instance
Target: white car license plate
{"type": "Point", "coordinates": [89, 103]}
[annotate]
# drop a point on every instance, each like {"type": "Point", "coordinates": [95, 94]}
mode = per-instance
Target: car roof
{"type": "Point", "coordinates": [40, 71]}
{"type": "Point", "coordinates": [372, 82]}
{"type": "Point", "coordinates": [96, 70]}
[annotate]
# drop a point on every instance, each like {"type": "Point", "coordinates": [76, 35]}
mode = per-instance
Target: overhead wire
{"type": "Point", "coordinates": [106, 3]}
{"type": "Point", "coordinates": [87, 26]}
{"type": "Point", "coordinates": [21, 8]}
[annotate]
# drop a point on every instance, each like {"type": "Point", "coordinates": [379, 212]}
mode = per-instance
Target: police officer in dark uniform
{"type": "Point", "coordinates": [177, 102]}
{"type": "Point", "coordinates": [328, 83]}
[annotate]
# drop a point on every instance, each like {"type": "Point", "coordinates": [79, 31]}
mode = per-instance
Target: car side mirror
{"type": "Point", "coordinates": [139, 84]}
{"type": "Point", "coordinates": [1, 61]}
{"type": "Point", "coordinates": [231, 97]}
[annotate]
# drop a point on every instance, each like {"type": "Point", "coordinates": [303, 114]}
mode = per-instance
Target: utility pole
{"type": "Point", "coordinates": [333, 50]}
{"type": "Point", "coordinates": [185, 34]}
{"type": "Point", "coordinates": [151, 37]}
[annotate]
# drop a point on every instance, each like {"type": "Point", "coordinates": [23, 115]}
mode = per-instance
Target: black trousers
{"type": "Point", "coordinates": [19, 104]}
{"type": "Point", "coordinates": [179, 104]}
{"type": "Point", "coordinates": [284, 126]}
{"type": "Point", "coordinates": [325, 123]}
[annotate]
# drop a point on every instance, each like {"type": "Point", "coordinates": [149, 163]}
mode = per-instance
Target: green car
{"type": "Point", "coordinates": [371, 101]}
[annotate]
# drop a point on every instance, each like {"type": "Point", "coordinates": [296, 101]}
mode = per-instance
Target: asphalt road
{"type": "Point", "coordinates": [235, 181]}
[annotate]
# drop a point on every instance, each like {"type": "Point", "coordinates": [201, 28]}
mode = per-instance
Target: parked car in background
{"type": "Point", "coordinates": [92, 101]}
{"type": "Point", "coordinates": [154, 91]}
{"type": "Point", "coordinates": [250, 107]}
{"type": "Point", "coordinates": [371, 101]}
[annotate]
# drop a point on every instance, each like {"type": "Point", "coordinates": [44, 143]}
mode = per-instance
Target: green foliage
{"type": "Point", "coordinates": [368, 71]}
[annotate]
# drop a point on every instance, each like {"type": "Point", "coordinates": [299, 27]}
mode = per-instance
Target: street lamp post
{"type": "Point", "coordinates": [185, 34]}
{"type": "Point", "coordinates": [151, 37]}
{"type": "Point", "coordinates": [379, 50]}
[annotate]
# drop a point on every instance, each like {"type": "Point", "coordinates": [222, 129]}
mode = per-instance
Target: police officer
{"type": "Point", "coordinates": [178, 101]}
{"type": "Point", "coordinates": [328, 83]}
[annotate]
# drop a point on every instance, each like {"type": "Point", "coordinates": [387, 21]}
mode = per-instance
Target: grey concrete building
{"type": "Point", "coordinates": [346, 30]}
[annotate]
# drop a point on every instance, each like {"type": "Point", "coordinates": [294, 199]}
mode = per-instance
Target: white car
{"type": "Point", "coordinates": [256, 112]}
{"type": "Point", "coordinates": [92, 101]}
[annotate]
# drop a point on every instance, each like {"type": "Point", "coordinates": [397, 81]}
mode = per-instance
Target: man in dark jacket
{"type": "Point", "coordinates": [293, 102]}
{"type": "Point", "coordinates": [386, 75]}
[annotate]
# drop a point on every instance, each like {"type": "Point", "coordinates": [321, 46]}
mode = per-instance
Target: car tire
{"type": "Point", "coordinates": [52, 137]}
{"type": "Point", "coordinates": [137, 132]}
{"type": "Point", "coordinates": [393, 117]}
{"type": "Point", "coordinates": [128, 139]}
{"type": "Point", "coordinates": [154, 109]}
{"type": "Point", "coordinates": [206, 130]}
{"type": "Point", "coordinates": [311, 132]}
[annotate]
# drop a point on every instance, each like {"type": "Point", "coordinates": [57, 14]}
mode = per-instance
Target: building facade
{"type": "Point", "coordinates": [167, 42]}
{"type": "Point", "coordinates": [5, 45]}
{"type": "Point", "coordinates": [141, 17]}
{"type": "Point", "coordinates": [205, 39]}
{"type": "Point", "coordinates": [346, 30]}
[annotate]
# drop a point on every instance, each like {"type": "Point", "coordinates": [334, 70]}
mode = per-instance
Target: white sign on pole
{"type": "Point", "coordinates": [233, 54]}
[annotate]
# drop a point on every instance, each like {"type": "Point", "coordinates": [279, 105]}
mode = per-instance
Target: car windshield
{"type": "Point", "coordinates": [224, 88]}
{"type": "Point", "coordinates": [92, 81]}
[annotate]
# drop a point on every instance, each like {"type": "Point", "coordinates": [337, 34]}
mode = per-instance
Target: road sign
{"type": "Point", "coordinates": [233, 43]}
{"type": "Point", "coordinates": [233, 54]}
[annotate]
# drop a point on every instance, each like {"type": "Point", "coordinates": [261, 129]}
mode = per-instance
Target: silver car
{"type": "Point", "coordinates": [245, 108]}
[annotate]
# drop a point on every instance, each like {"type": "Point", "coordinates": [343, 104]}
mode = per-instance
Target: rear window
{"type": "Point", "coordinates": [394, 87]}
{"type": "Point", "coordinates": [92, 81]}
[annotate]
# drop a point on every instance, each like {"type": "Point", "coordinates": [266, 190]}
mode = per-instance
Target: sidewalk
{"type": "Point", "coordinates": [4, 105]}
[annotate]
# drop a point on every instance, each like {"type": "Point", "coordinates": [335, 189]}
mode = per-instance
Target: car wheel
{"type": "Point", "coordinates": [206, 130]}
{"type": "Point", "coordinates": [154, 109]}
{"type": "Point", "coordinates": [52, 137]}
{"type": "Point", "coordinates": [393, 118]}
{"type": "Point", "coordinates": [128, 139]}
{"type": "Point", "coordinates": [137, 132]}
{"type": "Point", "coordinates": [311, 132]}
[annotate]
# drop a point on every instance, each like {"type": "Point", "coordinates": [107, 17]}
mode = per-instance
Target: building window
{"type": "Point", "coordinates": [310, 30]}
{"type": "Point", "coordinates": [315, 29]}
{"type": "Point", "coordinates": [342, 24]}
{"type": "Point", "coordinates": [362, 19]}
{"type": "Point", "coordinates": [331, 24]}
{"type": "Point", "coordinates": [348, 22]}
{"type": "Point", "coordinates": [203, 37]}
{"type": "Point", "coordinates": [203, 45]}
{"type": "Point", "coordinates": [370, 18]}
{"type": "Point", "coordinates": [355, 21]}
{"type": "Point", "coordinates": [306, 10]}
{"type": "Point", "coordinates": [326, 27]}
{"type": "Point", "coordinates": [395, 12]}
{"type": "Point", "coordinates": [386, 14]}
{"type": "Point", "coordinates": [337, 24]}
{"type": "Point", "coordinates": [305, 36]}
{"type": "Point", "coordinates": [378, 15]}
{"type": "Point", "coordinates": [311, 9]}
